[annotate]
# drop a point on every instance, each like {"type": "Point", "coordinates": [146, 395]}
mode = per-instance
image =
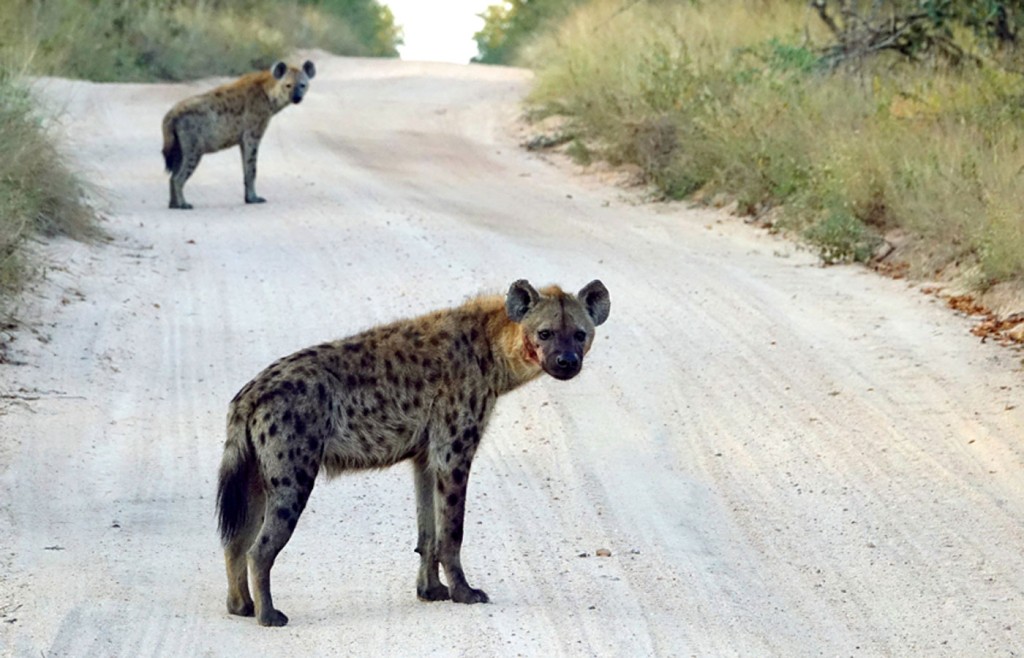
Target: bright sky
{"type": "Point", "coordinates": [439, 30]}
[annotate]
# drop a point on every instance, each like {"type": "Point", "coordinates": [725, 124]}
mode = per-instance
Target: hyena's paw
{"type": "Point", "coordinates": [469, 595]}
{"type": "Point", "coordinates": [435, 593]}
{"type": "Point", "coordinates": [255, 199]}
{"type": "Point", "coordinates": [181, 206]}
{"type": "Point", "coordinates": [241, 608]}
{"type": "Point", "coordinates": [273, 618]}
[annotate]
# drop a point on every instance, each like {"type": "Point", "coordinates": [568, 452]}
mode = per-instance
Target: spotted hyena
{"type": "Point", "coordinates": [419, 389]}
{"type": "Point", "coordinates": [233, 114]}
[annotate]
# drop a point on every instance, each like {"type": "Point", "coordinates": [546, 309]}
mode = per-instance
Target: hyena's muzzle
{"type": "Point", "coordinates": [562, 358]}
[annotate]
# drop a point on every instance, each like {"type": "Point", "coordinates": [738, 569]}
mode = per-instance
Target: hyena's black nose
{"type": "Point", "coordinates": [567, 361]}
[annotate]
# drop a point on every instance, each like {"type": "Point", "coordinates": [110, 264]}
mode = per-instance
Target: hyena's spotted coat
{"type": "Point", "coordinates": [420, 389]}
{"type": "Point", "coordinates": [237, 113]}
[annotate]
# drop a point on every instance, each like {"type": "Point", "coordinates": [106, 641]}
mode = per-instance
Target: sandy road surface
{"type": "Point", "coordinates": [782, 459]}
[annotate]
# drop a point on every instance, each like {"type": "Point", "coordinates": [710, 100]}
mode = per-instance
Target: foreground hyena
{"type": "Point", "coordinates": [235, 113]}
{"type": "Point", "coordinates": [420, 389]}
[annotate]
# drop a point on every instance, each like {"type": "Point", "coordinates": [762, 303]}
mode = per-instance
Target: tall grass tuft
{"type": "Point", "coordinates": [729, 97]}
{"type": "Point", "coordinates": [39, 196]}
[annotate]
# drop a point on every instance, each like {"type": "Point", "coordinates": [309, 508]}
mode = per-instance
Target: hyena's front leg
{"type": "Point", "coordinates": [428, 585]}
{"type": "Point", "coordinates": [450, 509]}
{"type": "Point", "coordinates": [250, 149]}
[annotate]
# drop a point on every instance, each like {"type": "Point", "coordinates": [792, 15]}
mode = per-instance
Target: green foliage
{"type": "Point", "coordinates": [510, 25]}
{"type": "Point", "coordinates": [38, 194]}
{"type": "Point", "coordinates": [184, 39]}
{"type": "Point", "coordinates": [840, 237]}
{"type": "Point", "coordinates": [372, 24]}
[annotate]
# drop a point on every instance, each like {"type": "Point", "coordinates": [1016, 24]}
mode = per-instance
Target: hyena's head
{"type": "Point", "coordinates": [558, 327]}
{"type": "Point", "coordinates": [291, 82]}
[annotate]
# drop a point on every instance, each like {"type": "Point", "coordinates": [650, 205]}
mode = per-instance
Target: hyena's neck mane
{"type": "Point", "coordinates": [512, 366]}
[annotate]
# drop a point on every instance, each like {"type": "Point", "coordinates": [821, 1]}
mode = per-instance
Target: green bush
{"type": "Point", "coordinates": [185, 39]}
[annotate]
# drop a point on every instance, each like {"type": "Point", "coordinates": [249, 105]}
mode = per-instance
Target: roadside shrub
{"type": "Point", "coordinates": [38, 194]}
{"type": "Point", "coordinates": [733, 98]}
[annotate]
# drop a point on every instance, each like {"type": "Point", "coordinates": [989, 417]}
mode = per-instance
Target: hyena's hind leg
{"type": "Point", "coordinates": [190, 157]}
{"type": "Point", "coordinates": [428, 585]}
{"type": "Point", "coordinates": [284, 504]}
{"type": "Point", "coordinates": [235, 561]}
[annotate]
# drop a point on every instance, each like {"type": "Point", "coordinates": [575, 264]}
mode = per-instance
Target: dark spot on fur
{"type": "Point", "coordinates": [351, 381]}
{"type": "Point", "coordinates": [263, 438]}
{"type": "Point", "coordinates": [301, 386]}
{"type": "Point", "coordinates": [280, 455]}
{"type": "Point", "coordinates": [440, 486]}
{"type": "Point", "coordinates": [471, 435]}
{"type": "Point", "coordinates": [400, 356]}
{"type": "Point", "coordinates": [457, 446]}
{"type": "Point", "coordinates": [321, 392]}
{"type": "Point", "coordinates": [314, 445]}
{"type": "Point", "coordinates": [300, 426]}
{"type": "Point", "coordinates": [458, 476]}
{"type": "Point", "coordinates": [473, 334]}
{"type": "Point", "coordinates": [274, 482]}
{"type": "Point", "coordinates": [287, 416]}
{"type": "Point", "coordinates": [353, 347]}
{"type": "Point", "coordinates": [452, 499]}
{"type": "Point", "coordinates": [265, 539]}
{"type": "Point", "coordinates": [288, 385]}
{"type": "Point", "coordinates": [273, 429]}
{"type": "Point", "coordinates": [286, 481]}
{"type": "Point", "coordinates": [284, 513]}
{"type": "Point", "coordinates": [291, 524]}
{"type": "Point", "coordinates": [457, 533]}
{"type": "Point", "coordinates": [452, 430]}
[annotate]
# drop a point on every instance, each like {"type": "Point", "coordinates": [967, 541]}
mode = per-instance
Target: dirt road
{"type": "Point", "coordinates": [782, 459]}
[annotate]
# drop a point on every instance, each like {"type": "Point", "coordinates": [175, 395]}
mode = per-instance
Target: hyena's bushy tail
{"type": "Point", "coordinates": [238, 469]}
{"type": "Point", "coordinates": [172, 147]}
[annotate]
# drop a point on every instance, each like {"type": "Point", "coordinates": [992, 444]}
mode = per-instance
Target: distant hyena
{"type": "Point", "coordinates": [420, 389]}
{"type": "Point", "coordinates": [233, 114]}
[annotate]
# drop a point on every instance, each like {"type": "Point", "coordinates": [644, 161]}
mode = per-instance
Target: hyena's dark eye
{"type": "Point", "coordinates": [580, 336]}
{"type": "Point", "coordinates": [544, 334]}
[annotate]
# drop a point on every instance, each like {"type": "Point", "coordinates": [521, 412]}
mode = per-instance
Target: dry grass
{"type": "Point", "coordinates": [728, 97]}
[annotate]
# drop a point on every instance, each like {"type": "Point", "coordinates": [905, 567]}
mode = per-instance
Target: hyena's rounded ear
{"type": "Point", "coordinates": [309, 69]}
{"type": "Point", "coordinates": [521, 298]}
{"type": "Point", "coordinates": [278, 70]}
{"type": "Point", "coordinates": [596, 300]}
